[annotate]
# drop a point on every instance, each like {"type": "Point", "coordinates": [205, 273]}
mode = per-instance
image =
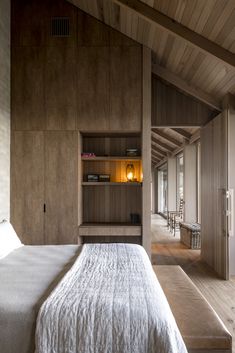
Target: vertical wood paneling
{"type": "Point", "coordinates": [5, 113]}
{"type": "Point", "coordinates": [61, 180]}
{"type": "Point", "coordinates": [60, 103]}
{"type": "Point", "coordinates": [93, 88]}
{"type": "Point", "coordinates": [102, 204]}
{"type": "Point", "coordinates": [28, 109]}
{"type": "Point", "coordinates": [171, 107]}
{"type": "Point", "coordinates": [214, 186]}
{"type": "Point", "coordinates": [91, 32]}
{"type": "Point", "coordinates": [146, 150]}
{"type": "Point", "coordinates": [27, 186]}
{"type": "Point", "coordinates": [125, 89]}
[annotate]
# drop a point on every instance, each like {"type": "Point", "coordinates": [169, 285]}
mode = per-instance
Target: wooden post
{"type": "Point", "coordinates": [171, 184]}
{"type": "Point", "coordinates": [146, 150]}
{"type": "Point", "coordinates": [190, 183]}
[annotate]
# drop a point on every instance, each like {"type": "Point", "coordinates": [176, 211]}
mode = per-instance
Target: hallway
{"type": "Point", "coordinates": [167, 250]}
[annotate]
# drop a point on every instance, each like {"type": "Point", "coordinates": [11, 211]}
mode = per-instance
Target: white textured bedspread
{"type": "Point", "coordinates": [110, 301]}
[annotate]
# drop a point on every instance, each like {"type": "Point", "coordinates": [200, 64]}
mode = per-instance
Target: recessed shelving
{"type": "Point", "coordinates": [110, 206]}
{"type": "Point", "coordinates": [111, 158]}
{"type": "Point", "coordinates": [100, 183]}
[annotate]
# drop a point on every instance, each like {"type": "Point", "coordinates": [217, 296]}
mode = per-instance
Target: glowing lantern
{"type": "Point", "coordinates": [130, 172]}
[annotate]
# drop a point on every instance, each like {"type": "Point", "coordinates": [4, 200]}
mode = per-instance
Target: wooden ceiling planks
{"type": "Point", "coordinates": [213, 19]}
{"type": "Point", "coordinates": [174, 138]}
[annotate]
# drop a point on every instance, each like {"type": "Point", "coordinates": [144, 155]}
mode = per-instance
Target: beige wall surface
{"type": "Point", "coordinates": [5, 109]}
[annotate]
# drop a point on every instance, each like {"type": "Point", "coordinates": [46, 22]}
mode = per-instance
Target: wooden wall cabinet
{"type": "Point", "coordinates": [44, 186]}
{"type": "Point", "coordinates": [27, 185]}
{"type": "Point", "coordinates": [61, 187]}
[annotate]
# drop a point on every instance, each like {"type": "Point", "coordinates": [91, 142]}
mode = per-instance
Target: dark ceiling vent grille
{"type": "Point", "coordinates": [60, 27]}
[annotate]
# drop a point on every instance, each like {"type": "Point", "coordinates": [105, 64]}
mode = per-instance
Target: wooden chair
{"type": "Point", "coordinates": [175, 217]}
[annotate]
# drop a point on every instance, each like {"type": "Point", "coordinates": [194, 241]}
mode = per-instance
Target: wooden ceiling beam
{"type": "Point", "coordinates": [167, 137]}
{"type": "Point", "coordinates": [156, 155]}
{"type": "Point", "coordinates": [158, 150]}
{"type": "Point", "coordinates": [182, 132]}
{"type": "Point", "coordinates": [162, 144]}
{"type": "Point", "coordinates": [168, 24]}
{"type": "Point", "coordinates": [163, 161]}
{"type": "Point", "coordinates": [155, 159]}
{"type": "Point", "coordinates": [185, 87]}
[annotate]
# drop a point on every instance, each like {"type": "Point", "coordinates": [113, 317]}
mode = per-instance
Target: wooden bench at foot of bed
{"type": "Point", "coordinates": [200, 326]}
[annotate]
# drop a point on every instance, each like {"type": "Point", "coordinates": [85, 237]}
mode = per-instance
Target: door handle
{"type": "Point", "coordinates": [230, 212]}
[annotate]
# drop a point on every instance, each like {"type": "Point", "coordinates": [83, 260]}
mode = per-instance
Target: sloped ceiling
{"type": "Point", "coordinates": [212, 19]}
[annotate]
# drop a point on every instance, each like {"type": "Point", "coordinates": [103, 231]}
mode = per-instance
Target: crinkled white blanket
{"type": "Point", "coordinates": [110, 301]}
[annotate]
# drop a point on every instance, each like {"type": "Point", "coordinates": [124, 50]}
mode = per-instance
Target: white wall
{"type": "Point", "coordinates": [4, 109]}
{"type": "Point", "coordinates": [171, 184]}
{"type": "Point", "coordinates": [190, 183]}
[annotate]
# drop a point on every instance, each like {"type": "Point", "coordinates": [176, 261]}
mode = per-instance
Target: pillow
{"type": "Point", "coordinates": [9, 240]}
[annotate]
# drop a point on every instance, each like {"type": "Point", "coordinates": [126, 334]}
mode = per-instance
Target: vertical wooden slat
{"type": "Point", "coordinates": [146, 149]}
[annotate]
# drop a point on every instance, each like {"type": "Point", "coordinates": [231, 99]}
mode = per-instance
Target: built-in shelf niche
{"type": "Point", "coordinates": [107, 206]}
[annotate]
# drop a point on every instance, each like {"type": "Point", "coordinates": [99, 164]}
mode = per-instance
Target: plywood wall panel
{"type": "Point", "coordinates": [125, 88]}
{"type": "Point", "coordinates": [60, 88]}
{"type": "Point", "coordinates": [28, 109]}
{"type": "Point", "coordinates": [91, 32]}
{"type": "Point", "coordinates": [93, 91]}
{"type": "Point", "coordinates": [111, 203]}
{"type": "Point", "coordinates": [61, 190]}
{"type": "Point", "coordinates": [214, 185]}
{"type": "Point", "coordinates": [27, 186]}
{"type": "Point", "coordinates": [170, 107]}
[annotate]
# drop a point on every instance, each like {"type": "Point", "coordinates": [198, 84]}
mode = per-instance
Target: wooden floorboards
{"type": "Point", "coordinates": [167, 250]}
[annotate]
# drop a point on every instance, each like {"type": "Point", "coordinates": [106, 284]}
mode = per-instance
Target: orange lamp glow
{"type": "Point", "coordinates": [130, 172]}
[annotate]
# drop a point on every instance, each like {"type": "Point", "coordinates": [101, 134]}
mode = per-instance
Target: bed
{"type": "Point", "coordinates": [99, 298]}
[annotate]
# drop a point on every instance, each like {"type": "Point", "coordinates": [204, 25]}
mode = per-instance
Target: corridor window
{"type": "Point", "coordinates": [180, 178]}
{"type": "Point", "coordinates": [162, 189]}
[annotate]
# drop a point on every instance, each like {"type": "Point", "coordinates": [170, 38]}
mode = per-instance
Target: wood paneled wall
{"type": "Point", "coordinates": [5, 109]}
{"type": "Point", "coordinates": [170, 107]}
{"type": "Point", "coordinates": [214, 176]}
{"type": "Point", "coordinates": [88, 81]}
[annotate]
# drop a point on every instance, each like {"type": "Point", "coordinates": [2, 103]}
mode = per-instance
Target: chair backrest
{"type": "Point", "coordinates": [181, 207]}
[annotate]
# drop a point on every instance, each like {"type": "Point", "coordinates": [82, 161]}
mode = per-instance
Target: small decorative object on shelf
{"type": "Point", "coordinates": [92, 177]}
{"type": "Point", "coordinates": [104, 177]}
{"type": "Point", "coordinates": [88, 155]}
{"type": "Point", "coordinates": [130, 172]}
{"type": "Point", "coordinates": [132, 152]}
{"type": "Point", "coordinates": [135, 218]}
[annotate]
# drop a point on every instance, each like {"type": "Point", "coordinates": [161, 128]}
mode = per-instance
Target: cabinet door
{"type": "Point", "coordinates": [125, 88]}
{"type": "Point", "coordinates": [93, 88]}
{"type": "Point", "coordinates": [61, 187]}
{"type": "Point", "coordinates": [27, 186]}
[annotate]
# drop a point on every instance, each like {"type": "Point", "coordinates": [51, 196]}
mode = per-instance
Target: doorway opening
{"type": "Point", "coordinates": [176, 195]}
